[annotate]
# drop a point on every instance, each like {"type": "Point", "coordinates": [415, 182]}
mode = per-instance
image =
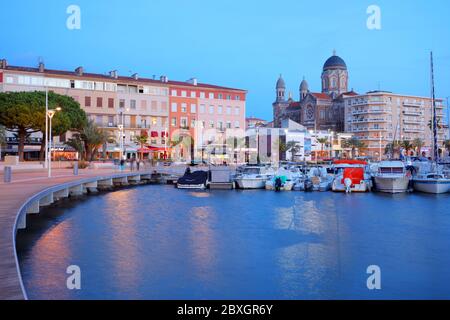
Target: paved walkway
{"type": "Point", "coordinates": [12, 197]}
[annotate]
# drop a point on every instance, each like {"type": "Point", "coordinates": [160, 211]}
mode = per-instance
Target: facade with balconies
{"type": "Point", "coordinates": [378, 118]}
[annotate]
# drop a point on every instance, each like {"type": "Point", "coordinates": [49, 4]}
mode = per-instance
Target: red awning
{"type": "Point", "coordinates": [154, 134]}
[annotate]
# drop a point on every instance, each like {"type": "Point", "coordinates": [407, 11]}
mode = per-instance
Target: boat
{"type": "Point", "coordinates": [433, 181]}
{"type": "Point", "coordinates": [351, 176]}
{"type": "Point", "coordinates": [193, 180]}
{"type": "Point", "coordinates": [392, 177]}
{"type": "Point", "coordinates": [284, 179]}
{"type": "Point", "coordinates": [320, 179]}
{"type": "Point", "coordinates": [253, 177]}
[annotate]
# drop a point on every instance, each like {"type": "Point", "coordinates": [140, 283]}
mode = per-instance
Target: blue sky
{"type": "Point", "coordinates": [244, 44]}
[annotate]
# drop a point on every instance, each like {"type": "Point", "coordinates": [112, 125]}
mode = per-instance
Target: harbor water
{"type": "Point", "coordinates": [157, 242]}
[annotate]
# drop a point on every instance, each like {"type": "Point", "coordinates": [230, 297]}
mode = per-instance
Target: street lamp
{"type": "Point", "coordinates": [448, 118]}
{"type": "Point", "coordinates": [50, 115]}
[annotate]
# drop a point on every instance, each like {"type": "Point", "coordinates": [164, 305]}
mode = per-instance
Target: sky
{"type": "Point", "coordinates": [243, 44]}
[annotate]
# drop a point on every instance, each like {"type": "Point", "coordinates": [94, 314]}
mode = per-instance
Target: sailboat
{"type": "Point", "coordinates": [434, 181]}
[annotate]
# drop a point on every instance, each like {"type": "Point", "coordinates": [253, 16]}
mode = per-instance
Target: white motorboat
{"type": "Point", "coordinates": [320, 179]}
{"type": "Point", "coordinates": [432, 183]}
{"type": "Point", "coordinates": [351, 176]}
{"type": "Point", "coordinates": [392, 177]}
{"type": "Point", "coordinates": [253, 177]}
{"type": "Point", "coordinates": [430, 178]}
{"type": "Point", "coordinates": [284, 179]}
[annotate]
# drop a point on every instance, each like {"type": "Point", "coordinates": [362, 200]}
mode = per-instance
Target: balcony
{"type": "Point", "coordinates": [412, 113]}
{"type": "Point", "coordinates": [368, 120]}
{"type": "Point", "coordinates": [370, 129]}
{"type": "Point", "coordinates": [413, 104]}
{"type": "Point", "coordinates": [413, 121]}
{"type": "Point", "coordinates": [370, 111]}
{"type": "Point", "coordinates": [412, 130]}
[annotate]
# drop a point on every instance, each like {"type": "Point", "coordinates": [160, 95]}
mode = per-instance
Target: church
{"type": "Point", "coordinates": [316, 111]}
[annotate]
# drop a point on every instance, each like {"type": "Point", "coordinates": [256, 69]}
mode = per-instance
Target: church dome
{"type": "Point", "coordinates": [334, 62]}
{"type": "Point", "coordinates": [304, 86]}
{"type": "Point", "coordinates": [280, 83]}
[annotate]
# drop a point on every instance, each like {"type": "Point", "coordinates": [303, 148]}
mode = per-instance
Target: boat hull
{"type": "Point", "coordinates": [251, 183]}
{"type": "Point", "coordinates": [362, 187]}
{"type": "Point", "coordinates": [392, 184]}
{"type": "Point", "coordinates": [434, 186]}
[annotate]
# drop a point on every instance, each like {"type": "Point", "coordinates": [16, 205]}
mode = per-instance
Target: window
{"type": "Point", "coordinates": [238, 98]}
{"type": "Point", "coordinates": [237, 111]}
{"type": "Point", "coordinates": [174, 122]}
{"type": "Point", "coordinates": [183, 94]}
{"type": "Point", "coordinates": [203, 124]}
{"type": "Point", "coordinates": [237, 124]}
{"type": "Point", "coordinates": [220, 96]}
{"type": "Point", "coordinates": [202, 108]}
{"type": "Point", "coordinates": [228, 110]}
{"type": "Point", "coordinates": [184, 122]}
{"type": "Point", "coordinates": [211, 124]}
{"type": "Point", "coordinates": [193, 123]}
{"type": "Point", "coordinates": [183, 107]}
{"type": "Point", "coordinates": [202, 95]}
{"type": "Point", "coordinates": [322, 114]}
{"type": "Point", "coordinates": [154, 106]}
{"type": "Point", "coordinates": [133, 104]}
{"type": "Point", "coordinates": [211, 95]}
{"type": "Point", "coordinates": [154, 121]}
{"type": "Point", "coordinates": [110, 121]}
{"type": "Point", "coordinates": [99, 120]}
{"type": "Point", "coordinates": [99, 102]}
{"type": "Point", "coordinates": [220, 125]}
{"type": "Point", "coordinates": [228, 124]}
{"type": "Point", "coordinates": [219, 109]}
{"type": "Point", "coordinates": [110, 87]}
{"type": "Point", "coordinates": [211, 109]}
{"type": "Point", "coordinates": [87, 101]}
{"type": "Point", "coordinates": [110, 102]}
{"type": "Point", "coordinates": [9, 80]}
{"type": "Point", "coordinates": [193, 108]}
{"type": "Point", "coordinates": [174, 107]}
{"type": "Point", "coordinates": [193, 95]}
{"type": "Point", "coordinates": [174, 93]}
{"type": "Point", "coordinates": [228, 97]}
{"type": "Point", "coordinates": [122, 103]}
{"type": "Point", "coordinates": [99, 86]}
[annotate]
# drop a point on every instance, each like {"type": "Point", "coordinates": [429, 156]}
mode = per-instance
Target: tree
{"type": "Point", "coordinates": [406, 145]}
{"type": "Point", "coordinates": [392, 148]}
{"type": "Point", "coordinates": [294, 148]}
{"type": "Point", "coordinates": [322, 141]}
{"type": "Point", "coordinates": [70, 118]}
{"type": "Point", "coordinates": [418, 145]}
{"type": "Point", "coordinates": [92, 138]}
{"type": "Point", "coordinates": [78, 144]}
{"type": "Point", "coordinates": [22, 113]}
{"type": "Point", "coordinates": [141, 141]}
{"type": "Point", "coordinates": [354, 144]}
{"type": "Point", "coordinates": [2, 139]}
{"type": "Point", "coordinates": [447, 145]}
{"type": "Point", "coordinates": [438, 124]}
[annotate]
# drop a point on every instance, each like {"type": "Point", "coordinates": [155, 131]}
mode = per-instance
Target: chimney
{"type": "Point", "coordinates": [135, 76]}
{"type": "Point", "coordinates": [113, 74]}
{"type": "Point", "coordinates": [3, 64]}
{"type": "Point", "coordinates": [192, 81]}
{"type": "Point", "coordinates": [164, 79]}
{"type": "Point", "coordinates": [79, 71]}
{"type": "Point", "coordinates": [41, 67]}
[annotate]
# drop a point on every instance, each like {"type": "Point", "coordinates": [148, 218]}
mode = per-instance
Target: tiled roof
{"type": "Point", "coordinates": [322, 96]}
{"type": "Point", "coordinates": [119, 78]}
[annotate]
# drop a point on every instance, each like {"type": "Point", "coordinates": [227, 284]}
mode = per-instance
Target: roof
{"type": "Point", "coordinates": [118, 79]}
{"type": "Point", "coordinates": [280, 83]}
{"type": "Point", "coordinates": [334, 62]}
{"type": "Point", "coordinates": [322, 96]}
{"type": "Point", "coordinates": [255, 119]}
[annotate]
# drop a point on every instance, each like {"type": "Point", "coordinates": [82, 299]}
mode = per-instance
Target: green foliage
{"type": "Point", "coordinates": [353, 143]}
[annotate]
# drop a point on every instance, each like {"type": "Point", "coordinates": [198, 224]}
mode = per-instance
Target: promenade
{"type": "Point", "coordinates": [24, 185]}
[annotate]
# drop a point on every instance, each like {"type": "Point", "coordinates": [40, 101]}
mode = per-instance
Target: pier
{"type": "Point", "coordinates": [30, 192]}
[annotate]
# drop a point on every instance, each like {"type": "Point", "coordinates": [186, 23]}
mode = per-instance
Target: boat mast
{"type": "Point", "coordinates": [433, 101]}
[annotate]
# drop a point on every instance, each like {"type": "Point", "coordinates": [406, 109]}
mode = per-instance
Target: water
{"type": "Point", "coordinates": [157, 242]}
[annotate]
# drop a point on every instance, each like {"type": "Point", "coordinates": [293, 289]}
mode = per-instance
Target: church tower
{"type": "Point", "coordinates": [281, 90]}
{"type": "Point", "coordinates": [280, 104]}
{"type": "Point", "coordinates": [334, 76]}
{"type": "Point", "coordinates": [304, 89]}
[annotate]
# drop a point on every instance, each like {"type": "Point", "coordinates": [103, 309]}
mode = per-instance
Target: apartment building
{"type": "Point", "coordinates": [378, 118]}
{"type": "Point", "coordinates": [207, 113]}
{"type": "Point", "coordinates": [158, 108]}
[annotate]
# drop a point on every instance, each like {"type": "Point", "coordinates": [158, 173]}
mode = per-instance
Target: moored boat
{"type": "Point", "coordinates": [253, 177]}
{"type": "Point", "coordinates": [351, 176]}
{"type": "Point", "coordinates": [193, 180]}
{"type": "Point", "coordinates": [392, 177]}
{"type": "Point", "coordinates": [432, 183]}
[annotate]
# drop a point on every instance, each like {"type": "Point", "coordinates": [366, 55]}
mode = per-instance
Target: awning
{"type": "Point", "coordinates": [154, 134]}
{"type": "Point", "coordinates": [152, 149]}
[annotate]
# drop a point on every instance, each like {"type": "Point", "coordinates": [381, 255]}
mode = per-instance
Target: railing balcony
{"type": "Point", "coordinates": [413, 113]}
{"type": "Point", "coordinates": [413, 104]}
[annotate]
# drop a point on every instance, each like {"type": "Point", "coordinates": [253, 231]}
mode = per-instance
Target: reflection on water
{"type": "Point", "coordinates": [156, 242]}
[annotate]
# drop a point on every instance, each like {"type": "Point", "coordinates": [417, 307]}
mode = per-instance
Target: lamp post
{"type": "Point", "coordinates": [120, 126]}
{"type": "Point", "coordinates": [46, 128]}
{"type": "Point", "coordinates": [50, 115]}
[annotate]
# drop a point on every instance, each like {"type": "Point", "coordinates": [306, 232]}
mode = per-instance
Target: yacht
{"type": "Point", "coordinates": [284, 179]}
{"type": "Point", "coordinates": [253, 177]}
{"type": "Point", "coordinates": [351, 176]}
{"type": "Point", "coordinates": [320, 179]}
{"type": "Point", "coordinates": [430, 178]}
{"type": "Point", "coordinates": [392, 177]}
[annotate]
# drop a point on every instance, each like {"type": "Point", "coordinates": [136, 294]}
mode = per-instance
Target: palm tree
{"type": "Point", "coordinates": [418, 144]}
{"type": "Point", "coordinates": [392, 148]}
{"type": "Point", "coordinates": [93, 137]}
{"type": "Point", "coordinates": [438, 124]}
{"type": "Point", "coordinates": [141, 141]}
{"type": "Point", "coordinates": [406, 144]}
{"type": "Point", "coordinates": [322, 141]}
{"type": "Point", "coordinates": [294, 148]}
{"type": "Point", "coordinates": [355, 144]}
{"type": "Point", "coordinates": [76, 143]}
